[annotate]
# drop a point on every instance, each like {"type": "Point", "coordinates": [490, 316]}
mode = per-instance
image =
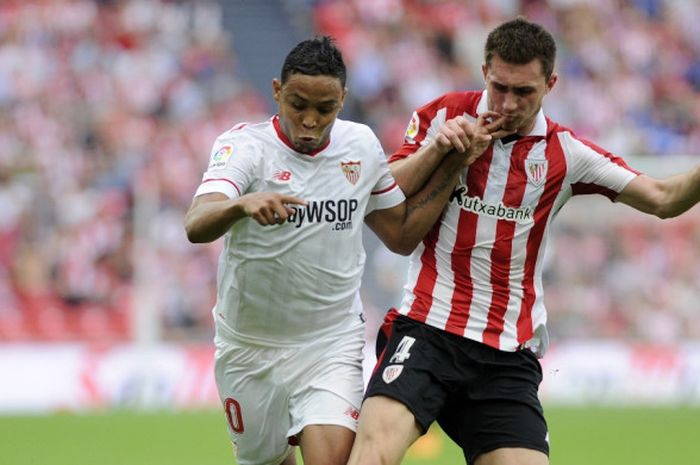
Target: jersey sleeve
{"type": "Point", "coordinates": [422, 127]}
{"type": "Point", "coordinates": [595, 170]}
{"type": "Point", "coordinates": [386, 192]}
{"type": "Point", "coordinates": [427, 120]}
{"type": "Point", "coordinates": [231, 166]}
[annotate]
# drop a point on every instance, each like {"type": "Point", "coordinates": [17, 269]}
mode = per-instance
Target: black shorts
{"type": "Point", "coordinates": [482, 397]}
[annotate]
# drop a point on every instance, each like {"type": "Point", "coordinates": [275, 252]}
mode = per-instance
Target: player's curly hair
{"type": "Point", "coordinates": [520, 41]}
{"type": "Point", "coordinates": [315, 57]}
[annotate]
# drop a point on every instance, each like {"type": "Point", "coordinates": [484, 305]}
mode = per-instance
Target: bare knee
{"type": "Point", "coordinates": [387, 428]}
{"type": "Point", "coordinates": [326, 444]}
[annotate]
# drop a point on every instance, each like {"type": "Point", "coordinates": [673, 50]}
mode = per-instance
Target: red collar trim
{"type": "Point", "coordinates": [283, 137]}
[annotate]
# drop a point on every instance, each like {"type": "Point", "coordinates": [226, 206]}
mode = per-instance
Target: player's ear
{"type": "Point", "coordinates": [342, 98]}
{"type": "Point", "coordinates": [551, 81]}
{"type": "Point", "coordinates": [276, 89]}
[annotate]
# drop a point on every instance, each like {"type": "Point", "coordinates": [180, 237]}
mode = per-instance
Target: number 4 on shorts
{"type": "Point", "coordinates": [403, 351]}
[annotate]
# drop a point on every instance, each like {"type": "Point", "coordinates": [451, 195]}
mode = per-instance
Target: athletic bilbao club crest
{"type": "Point", "coordinates": [391, 373]}
{"type": "Point", "coordinates": [536, 171]}
{"type": "Point", "coordinates": [351, 170]}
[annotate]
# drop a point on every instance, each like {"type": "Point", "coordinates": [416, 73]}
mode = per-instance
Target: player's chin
{"type": "Point", "coordinates": [305, 146]}
{"type": "Point", "coordinates": [511, 125]}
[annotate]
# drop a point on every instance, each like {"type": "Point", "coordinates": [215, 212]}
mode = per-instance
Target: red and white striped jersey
{"type": "Point", "coordinates": [478, 272]}
{"type": "Point", "coordinates": [292, 283]}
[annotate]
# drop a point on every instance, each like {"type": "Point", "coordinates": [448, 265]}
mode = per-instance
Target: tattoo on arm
{"type": "Point", "coordinates": [420, 201]}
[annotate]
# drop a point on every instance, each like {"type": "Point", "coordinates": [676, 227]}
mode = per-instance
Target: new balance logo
{"type": "Point", "coordinates": [352, 413]}
{"type": "Point", "coordinates": [282, 175]}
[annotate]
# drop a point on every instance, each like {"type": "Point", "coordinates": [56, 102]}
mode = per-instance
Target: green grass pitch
{"type": "Point", "coordinates": [630, 436]}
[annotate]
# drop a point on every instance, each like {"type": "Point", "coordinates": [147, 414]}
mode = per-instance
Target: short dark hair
{"type": "Point", "coordinates": [315, 57]}
{"type": "Point", "coordinates": [520, 41]}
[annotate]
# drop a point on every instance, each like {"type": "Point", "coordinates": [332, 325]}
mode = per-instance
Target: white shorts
{"type": "Point", "coordinates": [271, 394]}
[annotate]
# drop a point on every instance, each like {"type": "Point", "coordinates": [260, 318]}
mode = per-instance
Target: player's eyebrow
{"type": "Point", "coordinates": [331, 101]}
{"type": "Point", "coordinates": [525, 88]}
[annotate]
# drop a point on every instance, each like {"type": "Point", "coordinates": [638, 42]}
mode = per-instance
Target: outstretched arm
{"type": "Point", "coordinates": [211, 215]}
{"type": "Point", "coordinates": [665, 198]}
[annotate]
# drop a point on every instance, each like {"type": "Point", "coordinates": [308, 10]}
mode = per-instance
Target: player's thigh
{"type": "Point", "coordinates": [499, 410]}
{"type": "Point", "coordinates": [387, 428]}
{"type": "Point", "coordinates": [513, 456]}
{"type": "Point", "coordinates": [415, 369]}
{"type": "Point", "coordinates": [388, 422]}
{"type": "Point", "coordinates": [326, 444]}
{"type": "Point", "coordinates": [327, 386]}
{"type": "Point", "coordinates": [255, 404]}
{"type": "Point", "coordinates": [483, 427]}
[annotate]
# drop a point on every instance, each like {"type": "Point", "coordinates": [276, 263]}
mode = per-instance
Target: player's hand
{"type": "Point", "coordinates": [455, 134]}
{"type": "Point", "coordinates": [493, 123]}
{"type": "Point", "coordinates": [488, 126]}
{"type": "Point", "coordinates": [269, 208]}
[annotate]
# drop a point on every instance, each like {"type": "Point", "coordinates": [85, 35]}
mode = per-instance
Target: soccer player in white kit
{"type": "Point", "coordinates": [290, 195]}
{"type": "Point", "coordinates": [462, 347]}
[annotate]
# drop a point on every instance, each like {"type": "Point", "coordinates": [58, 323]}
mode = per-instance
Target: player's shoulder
{"type": "Point", "coordinates": [345, 125]}
{"type": "Point", "coordinates": [243, 141]}
{"type": "Point", "coordinates": [463, 98]}
{"type": "Point", "coordinates": [246, 131]}
{"type": "Point", "coordinates": [571, 142]}
{"type": "Point", "coordinates": [555, 129]}
{"type": "Point", "coordinates": [348, 130]}
{"type": "Point", "coordinates": [456, 102]}
{"type": "Point", "coordinates": [564, 134]}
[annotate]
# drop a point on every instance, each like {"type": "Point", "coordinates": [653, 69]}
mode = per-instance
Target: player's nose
{"type": "Point", "coordinates": [509, 103]}
{"type": "Point", "coordinates": [309, 122]}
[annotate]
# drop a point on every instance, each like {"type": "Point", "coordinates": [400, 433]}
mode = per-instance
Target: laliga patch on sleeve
{"type": "Point", "coordinates": [412, 129]}
{"type": "Point", "coordinates": [221, 156]}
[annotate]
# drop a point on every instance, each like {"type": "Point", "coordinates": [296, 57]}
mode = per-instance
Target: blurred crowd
{"type": "Point", "coordinates": [630, 68]}
{"type": "Point", "coordinates": [108, 110]}
{"type": "Point", "coordinates": [623, 275]}
{"type": "Point", "coordinates": [107, 114]}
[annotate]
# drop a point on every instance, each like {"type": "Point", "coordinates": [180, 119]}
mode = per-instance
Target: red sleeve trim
{"type": "Point", "coordinates": [385, 190]}
{"type": "Point", "coordinates": [225, 180]}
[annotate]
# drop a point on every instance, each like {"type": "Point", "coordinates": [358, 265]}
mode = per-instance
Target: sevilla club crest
{"type": "Point", "coordinates": [351, 170]}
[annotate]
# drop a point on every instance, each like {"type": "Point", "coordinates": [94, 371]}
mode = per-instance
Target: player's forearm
{"type": "Point", "coordinates": [411, 173]}
{"type": "Point", "coordinates": [425, 207]}
{"type": "Point", "coordinates": [681, 193]}
{"type": "Point", "coordinates": [208, 221]}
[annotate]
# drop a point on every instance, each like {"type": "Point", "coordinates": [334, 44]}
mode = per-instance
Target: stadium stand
{"type": "Point", "coordinates": [108, 110]}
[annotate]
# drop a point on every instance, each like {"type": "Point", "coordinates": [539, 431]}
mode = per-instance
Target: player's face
{"type": "Point", "coordinates": [308, 107]}
{"type": "Point", "coordinates": [516, 92]}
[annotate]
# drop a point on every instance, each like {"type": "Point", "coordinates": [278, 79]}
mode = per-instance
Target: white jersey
{"type": "Point", "coordinates": [478, 272]}
{"type": "Point", "coordinates": [290, 283]}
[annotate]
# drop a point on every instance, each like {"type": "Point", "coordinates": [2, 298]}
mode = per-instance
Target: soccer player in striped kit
{"type": "Point", "coordinates": [289, 195]}
{"type": "Point", "coordinates": [463, 346]}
